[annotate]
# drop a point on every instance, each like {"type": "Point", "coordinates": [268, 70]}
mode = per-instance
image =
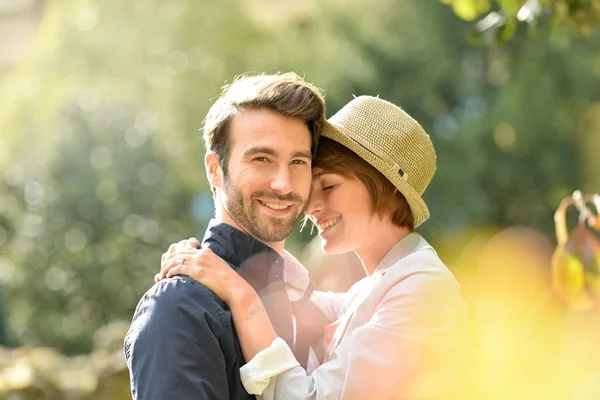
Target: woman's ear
{"type": "Point", "coordinates": [214, 172]}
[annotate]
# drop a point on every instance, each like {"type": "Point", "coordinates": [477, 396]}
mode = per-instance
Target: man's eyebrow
{"type": "Point", "coordinates": [259, 150]}
{"type": "Point", "coordinates": [267, 150]}
{"type": "Point", "coordinates": [303, 154]}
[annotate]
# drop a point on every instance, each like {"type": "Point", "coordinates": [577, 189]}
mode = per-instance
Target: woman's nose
{"type": "Point", "coordinates": [314, 204]}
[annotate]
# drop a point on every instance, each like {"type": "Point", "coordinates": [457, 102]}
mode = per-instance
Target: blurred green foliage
{"type": "Point", "coordinates": [102, 168]}
{"type": "Point", "coordinates": [43, 373]}
{"type": "Point", "coordinates": [503, 16]}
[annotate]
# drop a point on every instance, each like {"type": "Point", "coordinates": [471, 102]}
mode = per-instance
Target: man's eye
{"type": "Point", "coordinates": [261, 159]}
{"type": "Point", "coordinates": [299, 162]}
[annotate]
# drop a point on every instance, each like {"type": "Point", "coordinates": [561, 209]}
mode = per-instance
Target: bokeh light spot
{"type": "Point", "coordinates": [133, 225]}
{"type": "Point", "coordinates": [33, 193]}
{"type": "Point", "coordinates": [14, 174]}
{"type": "Point", "coordinates": [33, 226]}
{"type": "Point", "coordinates": [150, 174]}
{"type": "Point", "coordinates": [57, 278]}
{"type": "Point", "coordinates": [87, 19]}
{"type": "Point", "coordinates": [176, 62]}
{"type": "Point", "coordinates": [505, 136]}
{"type": "Point", "coordinates": [107, 191]}
{"type": "Point", "coordinates": [151, 232]}
{"type": "Point", "coordinates": [75, 240]}
{"type": "Point", "coordinates": [135, 137]}
{"type": "Point", "coordinates": [100, 157]}
{"type": "Point", "coordinates": [88, 101]}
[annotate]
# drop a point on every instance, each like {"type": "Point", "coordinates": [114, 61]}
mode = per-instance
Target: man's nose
{"type": "Point", "coordinates": [282, 180]}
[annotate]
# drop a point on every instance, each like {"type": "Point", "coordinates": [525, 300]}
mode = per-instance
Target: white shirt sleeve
{"type": "Point", "coordinates": [378, 360]}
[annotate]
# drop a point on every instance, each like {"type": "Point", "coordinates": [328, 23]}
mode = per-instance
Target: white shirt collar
{"type": "Point", "coordinates": [407, 245]}
{"type": "Point", "coordinates": [296, 276]}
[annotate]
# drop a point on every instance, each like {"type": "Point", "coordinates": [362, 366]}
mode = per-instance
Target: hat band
{"type": "Point", "coordinates": [370, 148]}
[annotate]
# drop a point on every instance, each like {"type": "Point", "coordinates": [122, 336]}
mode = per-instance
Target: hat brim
{"type": "Point", "coordinates": [415, 201]}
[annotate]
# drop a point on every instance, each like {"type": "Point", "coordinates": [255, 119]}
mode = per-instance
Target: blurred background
{"type": "Point", "coordinates": [101, 165]}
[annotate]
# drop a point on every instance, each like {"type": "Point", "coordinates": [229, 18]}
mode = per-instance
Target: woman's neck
{"type": "Point", "coordinates": [379, 244]}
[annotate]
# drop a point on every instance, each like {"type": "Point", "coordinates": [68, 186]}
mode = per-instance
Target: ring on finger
{"type": "Point", "coordinates": [181, 261]}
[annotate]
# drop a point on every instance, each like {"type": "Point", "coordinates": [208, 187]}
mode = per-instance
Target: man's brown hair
{"type": "Point", "coordinates": [286, 94]}
{"type": "Point", "coordinates": [337, 159]}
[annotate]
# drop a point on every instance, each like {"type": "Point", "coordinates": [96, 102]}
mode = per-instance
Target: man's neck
{"type": "Point", "coordinates": [224, 217]}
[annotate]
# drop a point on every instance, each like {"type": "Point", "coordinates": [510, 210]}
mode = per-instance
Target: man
{"type": "Point", "coordinates": [260, 135]}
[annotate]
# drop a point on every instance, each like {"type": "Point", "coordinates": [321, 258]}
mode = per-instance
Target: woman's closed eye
{"type": "Point", "coordinates": [328, 187]}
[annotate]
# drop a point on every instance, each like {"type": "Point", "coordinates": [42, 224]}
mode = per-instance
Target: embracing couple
{"type": "Point", "coordinates": [236, 316]}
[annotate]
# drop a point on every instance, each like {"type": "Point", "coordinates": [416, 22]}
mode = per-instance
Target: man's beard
{"type": "Point", "coordinates": [244, 211]}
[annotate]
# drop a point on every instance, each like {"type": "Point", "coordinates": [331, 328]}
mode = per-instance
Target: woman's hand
{"type": "Point", "coordinates": [249, 315]}
{"type": "Point", "coordinates": [185, 258]}
{"type": "Point", "coordinates": [186, 244]}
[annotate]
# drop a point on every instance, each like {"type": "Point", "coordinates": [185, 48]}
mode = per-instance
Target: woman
{"type": "Point", "coordinates": [393, 329]}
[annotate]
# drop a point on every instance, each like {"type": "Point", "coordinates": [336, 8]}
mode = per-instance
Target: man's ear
{"type": "Point", "coordinates": [214, 172]}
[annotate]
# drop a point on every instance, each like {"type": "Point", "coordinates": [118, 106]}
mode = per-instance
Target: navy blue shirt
{"type": "Point", "coordinates": [182, 342]}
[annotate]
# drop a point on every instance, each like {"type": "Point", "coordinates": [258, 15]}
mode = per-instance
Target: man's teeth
{"type": "Point", "coordinates": [275, 206]}
{"type": "Point", "coordinates": [328, 223]}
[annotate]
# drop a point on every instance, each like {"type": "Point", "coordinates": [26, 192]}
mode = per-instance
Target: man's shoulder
{"type": "Point", "coordinates": [182, 297]}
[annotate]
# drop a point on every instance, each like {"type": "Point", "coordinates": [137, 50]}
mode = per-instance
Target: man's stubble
{"type": "Point", "coordinates": [244, 211]}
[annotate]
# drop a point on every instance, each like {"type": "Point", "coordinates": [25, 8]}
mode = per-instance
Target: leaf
{"type": "Point", "coordinates": [508, 31]}
{"type": "Point", "coordinates": [468, 10]}
{"type": "Point", "coordinates": [511, 7]}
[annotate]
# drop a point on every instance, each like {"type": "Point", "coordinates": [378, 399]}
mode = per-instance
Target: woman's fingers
{"type": "Point", "coordinates": [187, 249]}
{"type": "Point", "coordinates": [203, 266]}
{"type": "Point", "coordinates": [175, 246]}
{"type": "Point", "coordinates": [189, 258]}
{"type": "Point", "coordinates": [187, 254]}
{"type": "Point", "coordinates": [186, 270]}
{"type": "Point", "coordinates": [194, 243]}
{"type": "Point", "coordinates": [191, 243]}
{"type": "Point", "coordinates": [183, 257]}
{"type": "Point", "coordinates": [171, 263]}
{"type": "Point", "coordinates": [195, 255]}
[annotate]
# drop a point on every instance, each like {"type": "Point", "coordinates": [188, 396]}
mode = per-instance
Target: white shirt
{"type": "Point", "coordinates": [382, 348]}
{"type": "Point", "coordinates": [297, 280]}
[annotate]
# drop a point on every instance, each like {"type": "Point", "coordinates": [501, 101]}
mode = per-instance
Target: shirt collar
{"type": "Point", "coordinates": [255, 261]}
{"type": "Point", "coordinates": [297, 278]}
{"type": "Point", "coordinates": [407, 245]}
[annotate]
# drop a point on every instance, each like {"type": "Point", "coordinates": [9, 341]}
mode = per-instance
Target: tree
{"type": "Point", "coordinates": [502, 22]}
{"type": "Point", "coordinates": [103, 167]}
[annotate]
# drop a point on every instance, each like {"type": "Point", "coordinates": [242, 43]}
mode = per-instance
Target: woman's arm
{"type": "Point", "coordinates": [251, 320]}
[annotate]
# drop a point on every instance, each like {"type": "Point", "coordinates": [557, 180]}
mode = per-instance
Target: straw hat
{"type": "Point", "coordinates": [391, 141]}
